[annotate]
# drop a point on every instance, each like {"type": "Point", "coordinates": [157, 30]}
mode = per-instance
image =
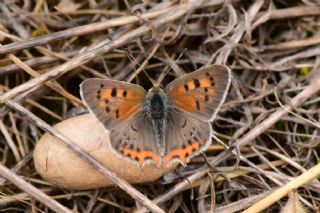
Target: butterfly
{"type": "Point", "coordinates": [159, 126]}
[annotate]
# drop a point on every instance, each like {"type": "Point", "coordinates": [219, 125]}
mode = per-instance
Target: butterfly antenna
{"type": "Point", "coordinates": [163, 74]}
{"type": "Point", "coordinates": [136, 72]}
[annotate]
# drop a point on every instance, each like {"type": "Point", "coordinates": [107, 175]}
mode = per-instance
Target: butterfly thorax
{"type": "Point", "coordinates": [156, 107]}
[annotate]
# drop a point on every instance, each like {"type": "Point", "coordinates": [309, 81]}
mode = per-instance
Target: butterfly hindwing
{"type": "Point", "coordinates": [186, 137]}
{"type": "Point", "coordinates": [201, 92]}
{"type": "Point", "coordinates": [134, 140]}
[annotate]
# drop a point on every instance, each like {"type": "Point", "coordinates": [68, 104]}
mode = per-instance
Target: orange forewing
{"type": "Point", "coordinates": [184, 101]}
{"type": "Point", "coordinates": [129, 108]}
{"type": "Point", "coordinates": [130, 102]}
{"type": "Point", "coordinates": [183, 97]}
{"type": "Point", "coordinates": [204, 82]}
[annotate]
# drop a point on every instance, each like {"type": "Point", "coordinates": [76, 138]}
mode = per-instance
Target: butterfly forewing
{"type": "Point", "coordinates": [201, 92]}
{"type": "Point", "coordinates": [112, 100]}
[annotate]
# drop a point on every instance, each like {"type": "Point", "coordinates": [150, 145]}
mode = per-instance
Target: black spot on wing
{"type": "Point", "coordinates": [198, 105]}
{"type": "Point", "coordinates": [196, 83]}
{"type": "Point", "coordinates": [186, 87]}
{"type": "Point", "coordinates": [114, 92]}
{"type": "Point", "coordinates": [124, 94]}
{"type": "Point", "coordinates": [133, 129]}
{"type": "Point", "coordinates": [206, 98]}
{"type": "Point", "coordinates": [184, 124]}
{"type": "Point", "coordinates": [99, 94]}
{"type": "Point", "coordinates": [213, 83]}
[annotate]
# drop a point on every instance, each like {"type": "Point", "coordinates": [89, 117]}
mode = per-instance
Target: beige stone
{"type": "Point", "coordinates": [61, 167]}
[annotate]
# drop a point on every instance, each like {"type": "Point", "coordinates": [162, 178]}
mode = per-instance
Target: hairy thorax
{"type": "Point", "coordinates": [156, 107]}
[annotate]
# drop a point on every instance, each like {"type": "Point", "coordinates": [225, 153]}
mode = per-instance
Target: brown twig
{"type": "Point", "coordinates": [294, 12]}
{"type": "Point", "coordinates": [273, 197]}
{"type": "Point", "coordinates": [82, 30]}
{"type": "Point", "coordinates": [33, 191]}
{"type": "Point", "coordinates": [19, 166]}
{"type": "Point", "coordinates": [53, 85]}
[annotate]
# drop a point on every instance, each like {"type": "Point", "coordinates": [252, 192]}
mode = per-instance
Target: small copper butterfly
{"type": "Point", "coordinates": [159, 126]}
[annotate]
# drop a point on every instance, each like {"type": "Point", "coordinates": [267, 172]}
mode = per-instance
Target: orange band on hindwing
{"type": "Point", "coordinates": [184, 152]}
{"type": "Point", "coordinates": [139, 155]}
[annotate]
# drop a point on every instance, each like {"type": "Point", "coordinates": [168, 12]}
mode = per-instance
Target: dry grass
{"type": "Point", "coordinates": [268, 127]}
